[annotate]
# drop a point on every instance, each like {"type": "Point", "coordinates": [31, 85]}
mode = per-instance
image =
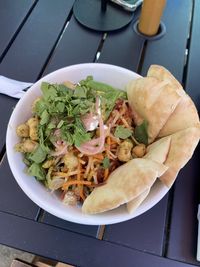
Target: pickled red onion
{"type": "Point", "coordinates": [96, 145]}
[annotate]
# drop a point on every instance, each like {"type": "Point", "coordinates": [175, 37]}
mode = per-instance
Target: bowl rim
{"type": "Point", "coordinates": [89, 219]}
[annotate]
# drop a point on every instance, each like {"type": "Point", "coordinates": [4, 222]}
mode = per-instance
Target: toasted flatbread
{"type": "Point", "coordinates": [183, 144]}
{"type": "Point", "coordinates": [136, 202]}
{"type": "Point", "coordinates": [158, 150]}
{"type": "Point", "coordinates": [162, 74]}
{"type": "Point", "coordinates": [154, 101]}
{"type": "Point", "coordinates": [125, 183]}
{"type": "Point", "coordinates": [185, 114]}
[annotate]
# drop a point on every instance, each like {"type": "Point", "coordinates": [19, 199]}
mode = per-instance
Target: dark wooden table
{"type": "Point", "coordinates": [37, 37]}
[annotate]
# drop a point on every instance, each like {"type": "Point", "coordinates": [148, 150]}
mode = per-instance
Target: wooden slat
{"type": "Point", "coordinates": [25, 60]}
{"type": "Point", "coordinates": [78, 228]}
{"type": "Point", "coordinates": [28, 54]}
{"type": "Point", "coordinates": [184, 224]}
{"type": "Point", "coordinates": [78, 45]}
{"type": "Point", "coordinates": [12, 14]}
{"type": "Point", "coordinates": [123, 48]}
{"type": "Point", "coordinates": [192, 80]}
{"type": "Point", "coordinates": [182, 243]}
{"type": "Point", "coordinates": [33, 45]}
{"type": "Point", "coordinates": [12, 198]}
{"type": "Point", "coordinates": [169, 51]}
{"type": "Point", "coordinates": [72, 248]}
{"type": "Point", "coordinates": [145, 232]}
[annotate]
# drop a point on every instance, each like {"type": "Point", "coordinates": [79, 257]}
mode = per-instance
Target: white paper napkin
{"type": "Point", "coordinates": [12, 87]}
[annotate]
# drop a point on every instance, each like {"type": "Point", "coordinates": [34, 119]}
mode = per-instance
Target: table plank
{"type": "Point", "coordinates": [12, 16]}
{"type": "Point", "coordinates": [12, 199]}
{"type": "Point", "coordinates": [145, 232]}
{"type": "Point", "coordinates": [123, 48]}
{"type": "Point", "coordinates": [30, 51]}
{"type": "Point", "coordinates": [169, 51]}
{"type": "Point", "coordinates": [183, 229]}
{"type": "Point", "coordinates": [192, 80]}
{"type": "Point", "coordinates": [72, 248]}
{"type": "Point", "coordinates": [184, 225]}
{"type": "Point", "coordinates": [74, 48]}
{"type": "Point", "coordinates": [78, 228]}
{"type": "Point", "coordinates": [36, 40]}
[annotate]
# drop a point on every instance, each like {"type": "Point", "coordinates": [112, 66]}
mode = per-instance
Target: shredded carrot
{"type": "Point", "coordinates": [115, 119]}
{"type": "Point", "coordinates": [108, 140]}
{"type": "Point", "coordinates": [65, 174]}
{"type": "Point", "coordinates": [125, 123]}
{"type": "Point", "coordinates": [106, 172]}
{"type": "Point", "coordinates": [99, 156]}
{"type": "Point", "coordinates": [80, 186]}
{"type": "Point", "coordinates": [88, 166]}
{"type": "Point", "coordinates": [114, 139]}
{"type": "Point", "coordinates": [73, 182]}
{"type": "Point", "coordinates": [111, 155]}
{"type": "Point", "coordinates": [82, 161]}
{"type": "Point", "coordinates": [79, 171]}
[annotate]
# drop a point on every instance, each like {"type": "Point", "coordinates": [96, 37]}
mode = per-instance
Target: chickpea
{"type": "Point", "coordinates": [70, 161]}
{"type": "Point", "coordinates": [23, 130]}
{"type": "Point", "coordinates": [48, 163]}
{"type": "Point", "coordinates": [33, 126]}
{"type": "Point", "coordinates": [139, 151]}
{"type": "Point", "coordinates": [124, 151]}
{"type": "Point", "coordinates": [26, 146]}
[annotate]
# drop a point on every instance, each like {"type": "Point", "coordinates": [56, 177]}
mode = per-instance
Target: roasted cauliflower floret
{"type": "Point", "coordinates": [124, 151]}
{"type": "Point", "coordinates": [23, 130]}
{"type": "Point", "coordinates": [27, 146]}
{"type": "Point", "coordinates": [33, 128]}
{"type": "Point", "coordinates": [70, 198]}
{"type": "Point", "coordinates": [70, 161]}
{"type": "Point", "coordinates": [139, 151]}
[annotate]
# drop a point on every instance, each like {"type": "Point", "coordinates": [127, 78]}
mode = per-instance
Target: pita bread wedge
{"type": "Point", "coordinates": [183, 144]}
{"type": "Point", "coordinates": [185, 114]}
{"type": "Point", "coordinates": [162, 74]}
{"type": "Point", "coordinates": [136, 202]}
{"type": "Point", "coordinates": [154, 101]}
{"type": "Point", "coordinates": [158, 150]}
{"type": "Point", "coordinates": [125, 183]}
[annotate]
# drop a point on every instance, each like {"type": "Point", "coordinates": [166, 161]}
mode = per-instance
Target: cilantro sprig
{"type": "Point", "coordinates": [61, 108]}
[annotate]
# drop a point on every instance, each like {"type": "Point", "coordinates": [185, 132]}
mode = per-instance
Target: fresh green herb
{"type": "Point", "coordinates": [38, 155]}
{"type": "Point", "coordinates": [141, 133]}
{"type": "Point", "coordinates": [44, 117]}
{"type": "Point", "coordinates": [43, 145]}
{"type": "Point", "coordinates": [37, 171]}
{"type": "Point", "coordinates": [122, 132]}
{"type": "Point", "coordinates": [106, 163]}
{"type": "Point", "coordinates": [51, 126]}
{"type": "Point", "coordinates": [60, 124]}
{"type": "Point", "coordinates": [60, 107]}
{"type": "Point", "coordinates": [108, 93]}
{"type": "Point", "coordinates": [80, 92]}
{"type": "Point", "coordinates": [49, 91]}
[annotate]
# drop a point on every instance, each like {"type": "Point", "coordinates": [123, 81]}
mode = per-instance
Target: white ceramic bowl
{"type": "Point", "coordinates": [113, 75]}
